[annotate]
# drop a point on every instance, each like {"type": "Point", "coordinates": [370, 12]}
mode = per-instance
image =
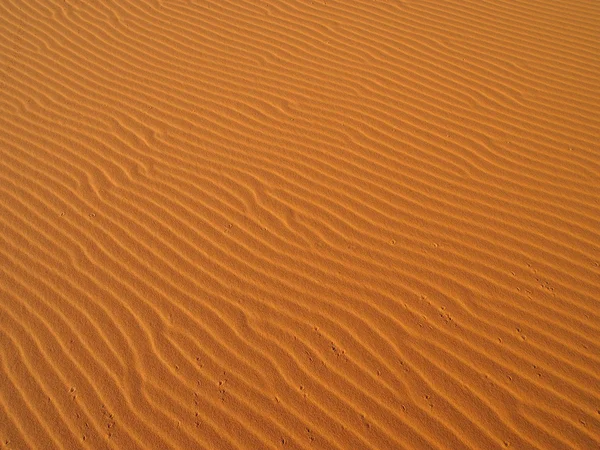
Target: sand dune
{"type": "Point", "coordinates": [299, 224]}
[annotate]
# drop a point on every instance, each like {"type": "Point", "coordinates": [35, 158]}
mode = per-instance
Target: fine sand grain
{"type": "Point", "coordinates": [299, 224]}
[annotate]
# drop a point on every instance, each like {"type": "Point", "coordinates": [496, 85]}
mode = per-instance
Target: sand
{"type": "Point", "coordinates": [299, 224]}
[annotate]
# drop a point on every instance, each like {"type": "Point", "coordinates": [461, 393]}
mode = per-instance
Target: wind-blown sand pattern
{"type": "Point", "coordinates": [299, 224]}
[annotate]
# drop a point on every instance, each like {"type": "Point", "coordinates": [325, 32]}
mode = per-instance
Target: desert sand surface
{"type": "Point", "coordinates": [294, 224]}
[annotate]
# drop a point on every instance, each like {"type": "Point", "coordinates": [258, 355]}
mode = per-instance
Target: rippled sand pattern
{"type": "Point", "coordinates": [299, 224]}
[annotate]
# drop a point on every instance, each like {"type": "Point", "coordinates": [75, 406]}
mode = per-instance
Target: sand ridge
{"type": "Point", "coordinates": [299, 224]}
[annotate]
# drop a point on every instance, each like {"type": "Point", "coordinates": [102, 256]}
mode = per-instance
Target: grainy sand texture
{"type": "Point", "coordinates": [295, 224]}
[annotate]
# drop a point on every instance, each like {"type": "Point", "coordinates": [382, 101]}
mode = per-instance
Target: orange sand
{"type": "Point", "coordinates": [299, 224]}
